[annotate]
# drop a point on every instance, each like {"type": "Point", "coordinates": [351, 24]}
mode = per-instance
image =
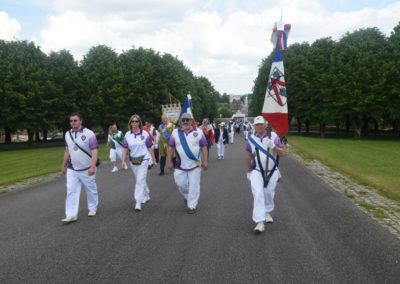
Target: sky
{"type": "Point", "coordinates": [222, 40]}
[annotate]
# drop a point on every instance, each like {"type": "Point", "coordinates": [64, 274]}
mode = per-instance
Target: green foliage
{"type": "Point", "coordinates": [353, 81]}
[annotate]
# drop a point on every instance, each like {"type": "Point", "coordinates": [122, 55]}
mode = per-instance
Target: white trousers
{"type": "Point", "coordinates": [263, 196]}
{"type": "Point", "coordinates": [142, 191]}
{"type": "Point", "coordinates": [114, 153]}
{"type": "Point", "coordinates": [75, 180]}
{"type": "Point", "coordinates": [246, 134]}
{"type": "Point", "coordinates": [188, 183]}
{"type": "Point", "coordinates": [231, 135]}
{"type": "Point", "coordinates": [220, 148]}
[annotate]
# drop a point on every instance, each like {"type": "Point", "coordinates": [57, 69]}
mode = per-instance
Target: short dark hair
{"type": "Point", "coordinates": [76, 114]}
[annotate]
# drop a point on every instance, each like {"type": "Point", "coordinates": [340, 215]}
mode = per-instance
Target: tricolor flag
{"type": "Point", "coordinates": [275, 107]}
{"type": "Point", "coordinates": [187, 107]}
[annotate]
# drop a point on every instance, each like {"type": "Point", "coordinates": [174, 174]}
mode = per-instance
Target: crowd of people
{"type": "Point", "coordinates": [183, 147]}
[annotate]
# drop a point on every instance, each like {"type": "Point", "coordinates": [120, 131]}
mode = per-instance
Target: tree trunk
{"type": "Point", "coordinates": [364, 126]}
{"type": "Point", "coordinates": [376, 127]}
{"type": "Point", "coordinates": [37, 136]}
{"type": "Point", "coordinates": [7, 132]}
{"type": "Point", "coordinates": [322, 129]}
{"type": "Point", "coordinates": [307, 126]}
{"type": "Point", "coordinates": [45, 135]}
{"type": "Point", "coordinates": [337, 128]}
{"type": "Point", "coordinates": [30, 136]}
{"type": "Point", "coordinates": [348, 122]}
{"type": "Point", "coordinates": [298, 125]}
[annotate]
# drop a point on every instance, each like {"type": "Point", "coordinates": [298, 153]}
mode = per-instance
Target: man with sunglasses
{"type": "Point", "coordinates": [189, 143]}
{"type": "Point", "coordinates": [79, 165]}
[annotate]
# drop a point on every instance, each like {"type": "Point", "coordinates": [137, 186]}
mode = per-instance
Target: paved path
{"type": "Point", "coordinates": [318, 235]}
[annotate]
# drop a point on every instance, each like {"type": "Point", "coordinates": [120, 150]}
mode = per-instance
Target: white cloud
{"type": "Point", "coordinates": [9, 27]}
{"type": "Point", "coordinates": [224, 41]}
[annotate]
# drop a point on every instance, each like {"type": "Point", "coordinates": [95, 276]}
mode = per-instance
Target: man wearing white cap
{"type": "Point", "coordinates": [188, 142]}
{"type": "Point", "coordinates": [261, 161]}
{"type": "Point", "coordinates": [221, 138]}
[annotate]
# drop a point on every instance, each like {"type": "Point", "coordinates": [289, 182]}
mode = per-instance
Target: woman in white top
{"type": "Point", "coordinates": [140, 147]}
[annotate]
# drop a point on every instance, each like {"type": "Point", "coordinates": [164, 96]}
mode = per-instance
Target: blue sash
{"type": "Point", "coordinates": [164, 132]}
{"type": "Point", "coordinates": [262, 150]}
{"type": "Point", "coordinates": [185, 146]}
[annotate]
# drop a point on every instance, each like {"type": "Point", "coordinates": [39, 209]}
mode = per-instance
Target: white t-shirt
{"type": "Point", "coordinates": [138, 143]}
{"type": "Point", "coordinates": [86, 139]}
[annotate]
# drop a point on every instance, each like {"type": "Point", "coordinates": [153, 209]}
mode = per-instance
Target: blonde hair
{"type": "Point", "coordinates": [138, 118]}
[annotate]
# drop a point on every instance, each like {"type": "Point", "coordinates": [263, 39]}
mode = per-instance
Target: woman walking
{"type": "Point", "coordinates": [140, 147]}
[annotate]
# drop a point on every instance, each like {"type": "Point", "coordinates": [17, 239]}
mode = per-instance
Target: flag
{"type": "Point", "coordinates": [187, 107]}
{"type": "Point", "coordinates": [275, 103]}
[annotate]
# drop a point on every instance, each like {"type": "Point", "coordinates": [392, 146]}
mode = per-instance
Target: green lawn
{"type": "Point", "coordinates": [17, 165]}
{"type": "Point", "coordinates": [374, 163]}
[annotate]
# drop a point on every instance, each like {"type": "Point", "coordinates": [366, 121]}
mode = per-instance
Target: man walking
{"type": "Point", "coordinates": [114, 141]}
{"type": "Point", "coordinates": [165, 129]}
{"type": "Point", "coordinates": [261, 161]}
{"type": "Point", "coordinates": [79, 165]}
{"type": "Point", "coordinates": [189, 143]}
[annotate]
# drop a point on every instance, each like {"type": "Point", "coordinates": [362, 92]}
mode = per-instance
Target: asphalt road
{"type": "Point", "coordinates": [318, 235]}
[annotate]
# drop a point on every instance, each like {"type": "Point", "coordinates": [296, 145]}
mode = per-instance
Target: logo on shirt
{"type": "Point", "coordinates": [83, 137]}
{"type": "Point", "coordinates": [195, 134]}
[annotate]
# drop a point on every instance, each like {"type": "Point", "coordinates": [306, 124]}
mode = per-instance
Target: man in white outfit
{"type": "Point", "coordinates": [79, 165]}
{"type": "Point", "coordinates": [261, 161]}
{"type": "Point", "coordinates": [189, 143]}
{"type": "Point", "coordinates": [231, 131]}
{"type": "Point", "coordinates": [114, 141]}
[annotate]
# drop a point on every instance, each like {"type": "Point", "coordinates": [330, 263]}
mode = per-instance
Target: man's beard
{"type": "Point", "coordinates": [186, 126]}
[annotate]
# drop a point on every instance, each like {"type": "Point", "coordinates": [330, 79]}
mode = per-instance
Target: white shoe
{"type": "Point", "coordinates": [69, 219]}
{"type": "Point", "coordinates": [91, 213]}
{"type": "Point", "coordinates": [268, 218]}
{"type": "Point", "coordinates": [146, 199]}
{"type": "Point", "coordinates": [126, 167]}
{"type": "Point", "coordinates": [138, 207]}
{"type": "Point", "coordinates": [259, 228]}
{"type": "Point", "coordinates": [115, 169]}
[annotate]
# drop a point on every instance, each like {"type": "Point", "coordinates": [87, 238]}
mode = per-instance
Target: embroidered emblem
{"type": "Point", "coordinates": [195, 134]}
{"type": "Point", "coordinates": [83, 137]}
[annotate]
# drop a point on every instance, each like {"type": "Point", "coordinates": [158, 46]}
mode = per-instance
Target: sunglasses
{"type": "Point", "coordinates": [135, 121]}
{"type": "Point", "coordinates": [185, 119]}
{"type": "Point", "coordinates": [73, 120]}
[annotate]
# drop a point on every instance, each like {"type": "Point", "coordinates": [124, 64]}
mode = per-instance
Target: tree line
{"type": "Point", "coordinates": [350, 84]}
{"type": "Point", "coordinates": [39, 91]}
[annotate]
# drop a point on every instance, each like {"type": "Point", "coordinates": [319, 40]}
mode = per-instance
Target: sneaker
{"type": "Point", "coordinates": [69, 219]}
{"type": "Point", "coordinates": [146, 199]}
{"type": "Point", "coordinates": [125, 167]}
{"type": "Point", "coordinates": [269, 219]}
{"type": "Point", "coordinates": [91, 213]}
{"type": "Point", "coordinates": [259, 228]}
{"type": "Point", "coordinates": [191, 210]}
{"type": "Point", "coordinates": [138, 207]}
{"type": "Point", "coordinates": [219, 158]}
{"type": "Point", "coordinates": [115, 169]}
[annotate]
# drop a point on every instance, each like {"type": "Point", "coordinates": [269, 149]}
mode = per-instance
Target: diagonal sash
{"type": "Point", "coordinates": [262, 150]}
{"type": "Point", "coordinates": [164, 132]}
{"type": "Point", "coordinates": [185, 146]}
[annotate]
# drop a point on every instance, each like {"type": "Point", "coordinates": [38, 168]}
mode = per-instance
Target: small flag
{"type": "Point", "coordinates": [187, 107]}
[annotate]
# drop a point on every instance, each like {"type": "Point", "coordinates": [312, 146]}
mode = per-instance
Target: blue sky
{"type": "Point", "coordinates": [223, 40]}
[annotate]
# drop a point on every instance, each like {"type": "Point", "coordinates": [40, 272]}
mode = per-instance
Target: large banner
{"type": "Point", "coordinates": [275, 103]}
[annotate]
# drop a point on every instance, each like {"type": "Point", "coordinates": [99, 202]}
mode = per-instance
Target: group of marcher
{"type": "Point", "coordinates": [184, 150]}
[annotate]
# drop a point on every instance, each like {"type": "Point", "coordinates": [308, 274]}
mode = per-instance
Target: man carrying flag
{"type": "Point", "coordinates": [189, 143]}
{"type": "Point", "coordinates": [262, 147]}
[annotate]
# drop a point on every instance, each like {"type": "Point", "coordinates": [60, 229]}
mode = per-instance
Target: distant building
{"type": "Point", "coordinates": [239, 104]}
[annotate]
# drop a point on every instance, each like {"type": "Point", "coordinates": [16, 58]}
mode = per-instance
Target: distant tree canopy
{"type": "Point", "coordinates": [351, 82]}
{"type": "Point", "coordinates": [39, 91]}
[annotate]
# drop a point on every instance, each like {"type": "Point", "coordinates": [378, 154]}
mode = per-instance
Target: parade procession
{"type": "Point", "coordinates": [199, 142]}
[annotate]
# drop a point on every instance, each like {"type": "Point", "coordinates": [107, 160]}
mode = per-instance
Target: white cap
{"type": "Point", "coordinates": [222, 124]}
{"type": "Point", "coordinates": [259, 120]}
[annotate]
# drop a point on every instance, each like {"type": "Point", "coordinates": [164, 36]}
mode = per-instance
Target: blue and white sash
{"type": "Point", "coordinates": [164, 132]}
{"type": "Point", "coordinates": [262, 150]}
{"type": "Point", "coordinates": [186, 147]}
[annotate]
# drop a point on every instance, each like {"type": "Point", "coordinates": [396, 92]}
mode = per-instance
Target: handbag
{"type": "Point", "coordinates": [136, 160]}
